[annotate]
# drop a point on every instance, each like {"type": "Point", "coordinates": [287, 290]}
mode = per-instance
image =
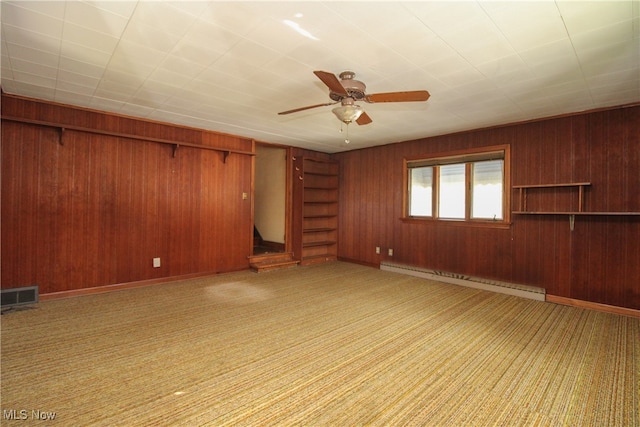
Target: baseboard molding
{"type": "Point", "coordinates": [120, 286]}
{"type": "Point", "coordinates": [355, 261]}
{"type": "Point", "coordinates": [623, 311]}
{"type": "Point", "coordinates": [523, 291]}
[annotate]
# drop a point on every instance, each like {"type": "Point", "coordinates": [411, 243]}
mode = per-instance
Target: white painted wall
{"type": "Point", "coordinates": [270, 189]}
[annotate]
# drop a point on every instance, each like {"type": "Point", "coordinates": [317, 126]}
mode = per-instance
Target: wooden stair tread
{"type": "Point", "coordinates": [275, 261]}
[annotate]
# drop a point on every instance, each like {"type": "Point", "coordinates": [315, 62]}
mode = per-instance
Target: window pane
{"type": "Point", "coordinates": [421, 190]}
{"type": "Point", "coordinates": [487, 189]}
{"type": "Point", "coordinates": [451, 191]}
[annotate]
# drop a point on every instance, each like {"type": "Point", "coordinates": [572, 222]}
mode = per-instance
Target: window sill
{"type": "Point", "coordinates": [457, 223]}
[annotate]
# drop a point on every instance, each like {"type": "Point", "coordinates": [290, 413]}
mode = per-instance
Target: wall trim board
{"type": "Point", "coordinates": [117, 115]}
{"type": "Point", "coordinates": [623, 311]}
{"type": "Point", "coordinates": [122, 286]}
{"type": "Point", "coordinates": [175, 144]}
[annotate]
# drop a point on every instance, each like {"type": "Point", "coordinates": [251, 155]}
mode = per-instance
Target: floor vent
{"type": "Point", "coordinates": [19, 296]}
{"type": "Point", "coordinates": [524, 291]}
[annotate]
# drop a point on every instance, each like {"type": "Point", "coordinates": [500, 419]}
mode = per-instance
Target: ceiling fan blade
{"type": "Point", "coordinates": [332, 82]}
{"type": "Point", "coordinates": [412, 96]}
{"type": "Point", "coordinates": [295, 110]}
{"type": "Point", "coordinates": [364, 119]}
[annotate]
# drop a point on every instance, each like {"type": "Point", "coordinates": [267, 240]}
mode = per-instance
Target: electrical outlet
{"type": "Point", "coordinates": [156, 262]}
{"type": "Point", "coordinates": [378, 250]}
{"type": "Point", "coordinates": [390, 252]}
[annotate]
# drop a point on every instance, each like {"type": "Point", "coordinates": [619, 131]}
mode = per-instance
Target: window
{"type": "Point", "coordinates": [468, 187]}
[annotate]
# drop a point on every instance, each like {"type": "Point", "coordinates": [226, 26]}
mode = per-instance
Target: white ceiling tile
{"type": "Point", "coordinates": [504, 67]}
{"type": "Point", "coordinates": [277, 35]}
{"type": "Point", "coordinates": [589, 15]}
{"type": "Point", "coordinates": [66, 77]}
{"type": "Point", "coordinates": [150, 36]}
{"type": "Point", "coordinates": [121, 8]}
{"type": "Point", "coordinates": [556, 52]}
{"type": "Point", "coordinates": [83, 53]}
{"type": "Point", "coordinates": [20, 37]}
{"type": "Point", "coordinates": [32, 19]}
{"type": "Point", "coordinates": [318, 56]}
{"type": "Point", "coordinates": [177, 64]}
{"type": "Point", "coordinates": [155, 13]}
{"type": "Point", "coordinates": [53, 9]}
{"type": "Point", "coordinates": [139, 57]}
{"type": "Point", "coordinates": [79, 67]}
{"type": "Point", "coordinates": [167, 77]}
{"type": "Point", "coordinates": [36, 69]}
{"type": "Point", "coordinates": [574, 100]}
{"type": "Point", "coordinates": [198, 53]}
{"type": "Point", "coordinates": [252, 53]}
{"type": "Point", "coordinates": [24, 88]}
{"type": "Point", "coordinates": [89, 15]}
{"type": "Point", "coordinates": [210, 38]}
{"type": "Point", "coordinates": [111, 78]}
{"type": "Point", "coordinates": [442, 16]}
{"type": "Point", "coordinates": [230, 66]}
{"type": "Point", "coordinates": [84, 36]}
{"type": "Point", "coordinates": [25, 53]}
{"type": "Point", "coordinates": [479, 41]}
{"type": "Point", "coordinates": [35, 79]}
{"type": "Point", "coordinates": [604, 37]}
{"type": "Point", "coordinates": [239, 17]}
{"type": "Point", "coordinates": [527, 24]}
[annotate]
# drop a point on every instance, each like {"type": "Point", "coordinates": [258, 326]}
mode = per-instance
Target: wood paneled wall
{"type": "Point", "coordinates": [599, 261]}
{"type": "Point", "coordinates": [90, 210]}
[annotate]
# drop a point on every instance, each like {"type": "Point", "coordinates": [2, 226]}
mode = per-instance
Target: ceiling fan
{"type": "Point", "coordinates": [346, 90]}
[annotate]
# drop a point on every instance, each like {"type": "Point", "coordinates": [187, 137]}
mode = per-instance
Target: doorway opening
{"type": "Point", "coordinates": [270, 200]}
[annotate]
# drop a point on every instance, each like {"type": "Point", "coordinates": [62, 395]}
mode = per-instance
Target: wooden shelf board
{"type": "Point", "coordinates": [567, 184]}
{"type": "Point", "coordinates": [320, 243]}
{"type": "Point", "coordinates": [318, 230]}
{"type": "Point", "coordinates": [327, 202]}
{"type": "Point", "coordinates": [579, 213]}
{"type": "Point", "coordinates": [321, 173]}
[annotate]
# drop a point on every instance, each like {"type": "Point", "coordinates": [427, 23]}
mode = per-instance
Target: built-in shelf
{"type": "Point", "coordinates": [523, 192]}
{"type": "Point", "coordinates": [318, 220]}
{"type": "Point", "coordinates": [581, 186]}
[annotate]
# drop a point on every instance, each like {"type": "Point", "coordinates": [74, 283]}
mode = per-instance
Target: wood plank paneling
{"type": "Point", "coordinates": [597, 262]}
{"type": "Point", "coordinates": [95, 209]}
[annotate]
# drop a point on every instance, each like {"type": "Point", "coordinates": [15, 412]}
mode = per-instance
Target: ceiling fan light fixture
{"type": "Point", "coordinates": [347, 113]}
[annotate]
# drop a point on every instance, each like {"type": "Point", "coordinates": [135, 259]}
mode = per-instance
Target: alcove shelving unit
{"type": "Point", "coordinates": [318, 240]}
{"type": "Point", "coordinates": [523, 191]}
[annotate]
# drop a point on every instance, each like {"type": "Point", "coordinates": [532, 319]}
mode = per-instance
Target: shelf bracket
{"type": "Point", "coordinates": [175, 148]}
{"type": "Point", "coordinates": [572, 222]}
{"type": "Point", "coordinates": [225, 154]}
{"type": "Point", "coordinates": [61, 140]}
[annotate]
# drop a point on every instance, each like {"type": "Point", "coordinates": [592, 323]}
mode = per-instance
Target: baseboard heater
{"type": "Point", "coordinates": [524, 291]}
{"type": "Point", "coordinates": [19, 296]}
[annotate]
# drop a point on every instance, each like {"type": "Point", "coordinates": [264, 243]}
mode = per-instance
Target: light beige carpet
{"type": "Point", "coordinates": [332, 344]}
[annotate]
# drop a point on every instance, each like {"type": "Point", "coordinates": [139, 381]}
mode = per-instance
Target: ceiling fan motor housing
{"type": "Point", "coordinates": [355, 88]}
